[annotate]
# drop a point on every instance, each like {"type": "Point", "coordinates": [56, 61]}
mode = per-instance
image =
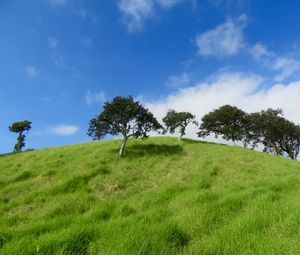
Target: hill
{"type": "Point", "coordinates": [164, 197]}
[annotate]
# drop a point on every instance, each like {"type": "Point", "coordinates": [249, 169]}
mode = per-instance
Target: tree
{"type": "Point", "coordinates": [290, 139]}
{"type": "Point", "coordinates": [277, 134]}
{"type": "Point", "coordinates": [181, 120]}
{"type": "Point", "coordinates": [263, 128]}
{"type": "Point", "coordinates": [123, 116]}
{"type": "Point", "coordinates": [228, 121]}
{"type": "Point", "coordinates": [20, 128]}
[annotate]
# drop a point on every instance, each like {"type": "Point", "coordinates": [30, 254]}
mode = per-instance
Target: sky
{"type": "Point", "coordinates": [60, 60]}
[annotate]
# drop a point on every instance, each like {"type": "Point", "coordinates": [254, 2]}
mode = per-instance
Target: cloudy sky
{"type": "Point", "coordinates": [61, 59]}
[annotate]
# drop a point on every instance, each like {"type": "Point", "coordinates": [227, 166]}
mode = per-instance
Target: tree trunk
{"type": "Point", "coordinates": [18, 147]}
{"type": "Point", "coordinates": [121, 151]}
{"type": "Point", "coordinates": [179, 138]}
{"type": "Point", "coordinates": [277, 151]}
{"type": "Point", "coordinates": [292, 156]}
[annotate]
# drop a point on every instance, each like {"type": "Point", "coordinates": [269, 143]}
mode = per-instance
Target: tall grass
{"type": "Point", "coordinates": [164, 197]}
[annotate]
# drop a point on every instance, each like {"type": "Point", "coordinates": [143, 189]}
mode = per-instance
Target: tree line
{"type": "Point", "coordinates": [129, 118]}
{"type": "Point", "coordinates": [126, 117]}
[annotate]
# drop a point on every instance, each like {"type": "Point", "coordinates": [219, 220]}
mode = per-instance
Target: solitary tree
{"type": "Point", "coordinates": [228, 121]}
{"type": "Point", "coordinates": [20, 128]}
{"type": "Point", "coordinates": [181, 120]}
{"type": "Point", "coordinates": [123, 116]}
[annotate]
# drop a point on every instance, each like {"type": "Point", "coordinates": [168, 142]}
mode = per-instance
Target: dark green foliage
{"type": "Point", "coordinates": [126, 117]}
{"type": "Point", "coordinates": [20, 128]}
{"type": "Point", "coordinates": [277, 134]}
{"type": "Point", "coordinates": [268, 128]}
{"type": "Point", "coordinates": [181, 120]}
{"type": "Point", "coordinates": [290, 139]}
{"type": "Point", "coordinates": [263, 127]}
{"type": "Point", "coordinates": [227, 121]}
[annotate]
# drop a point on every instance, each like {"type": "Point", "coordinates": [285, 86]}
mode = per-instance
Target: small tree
{"type": "Point", "coordinates": [228, 121]}
{"type": "Point", "coordinates": [181, 120]}
{"type": "Point", "coordinates": [20, 128]}
{"type": "Point", "coordinates": [123, 116]}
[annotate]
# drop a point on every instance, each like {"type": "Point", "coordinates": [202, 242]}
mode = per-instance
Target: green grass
{"type": "Point", "coordinates": [164, 197]}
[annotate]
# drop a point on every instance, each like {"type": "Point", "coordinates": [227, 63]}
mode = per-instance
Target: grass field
{"type": "Point", "coordinates": [164, 197]}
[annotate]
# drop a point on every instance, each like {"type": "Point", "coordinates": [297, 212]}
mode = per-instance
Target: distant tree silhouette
{"type": "Point", "coordinates": [20, 127]}
{"type": "Point", "coordinates": [228, 121]}
{"type": "Point", "coordinates": [277, 134]}
{"type": "Point", "coordinates": [180, 120]}
{"type": "Point", "coordinates": [123, 116]}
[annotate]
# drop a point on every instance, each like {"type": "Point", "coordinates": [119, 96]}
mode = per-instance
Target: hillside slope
{"type": "Point", "coordinates": [164, 197]}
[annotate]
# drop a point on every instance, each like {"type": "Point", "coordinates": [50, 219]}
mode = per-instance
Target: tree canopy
{"type": "Point", "coordinates": [178, 120]}
{"type": "Point", "coordinates": [268, 128]}
{"type": "Point", "coordinates": [123, 116]}
{"type": "Point", "coordinates": [227, 121]}
{"type": "Point", "coordinates": [20, 127]}
{"type": "Point", "coordinates": [277, 134]}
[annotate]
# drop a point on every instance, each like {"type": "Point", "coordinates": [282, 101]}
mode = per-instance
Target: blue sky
{"type": "Point", "coordinates": [61, 59]}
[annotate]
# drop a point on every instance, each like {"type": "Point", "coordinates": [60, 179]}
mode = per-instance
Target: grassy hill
{"type": "Point", "coordinates": [164, 197]}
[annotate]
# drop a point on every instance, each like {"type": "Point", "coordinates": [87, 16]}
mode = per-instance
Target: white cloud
{"type": "Point", "coordinates": [64, 130]}
{"type": "Point", "coordinates": [283, 65]}
{"type": "Point", "coordinates": [135, 12]}
{"type": "Point", "coordinates": [259, 51]}
{"type": "Point", "coordinates": [242, 90]}
{"type": "Point", "coordinates": [31, 71]}
{"type": "Point", "coordinates": [52, 42]}
{"type": "Point", "coordinates": [224, 40]}
{"type": "Point", "coordinates": [95, 97]}
{"type": "Point", "coordinates": [178, 80]}
{"type": "Point", "coordinates": [286, 66]}
{"type": "Point", "coordinates": [228, 39]}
